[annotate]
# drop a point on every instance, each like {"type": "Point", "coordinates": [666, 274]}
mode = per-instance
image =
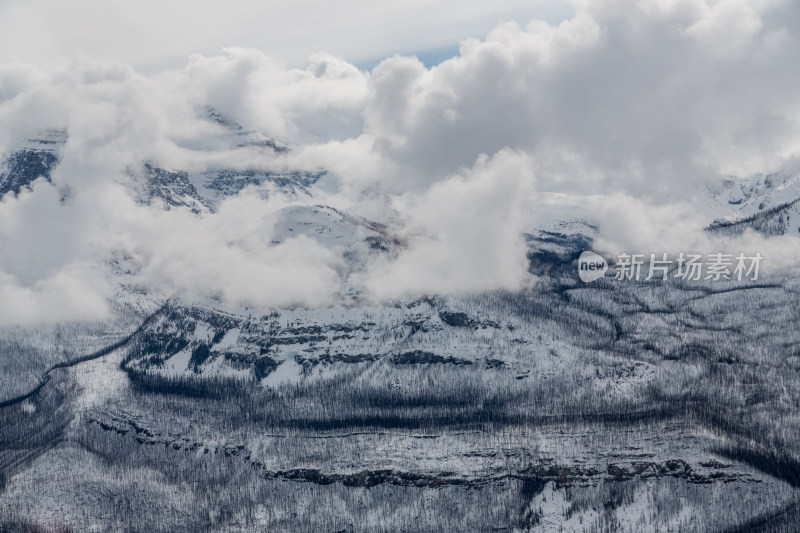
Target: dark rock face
{"type": "Point", "coordinates": [176, 190]}
{"type": "Point", "coordinates": [23, 167]}
{"type": "Point", "coordinates": [463, 320]}
{"type": "Point", "coordinates": [173, 187]}
{"type": "Point", "coordinates": [231, 182]}
{"type": "Point", "coordinates": [418, 357]}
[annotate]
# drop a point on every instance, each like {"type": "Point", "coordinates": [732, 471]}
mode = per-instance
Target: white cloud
{"type": "Point", "coordinates": [228, 256]}
{"type": "Point", "coordinates": [622, 112]}
{"type": "Point", "coordinates": [73, 294]}
{"type": "Point", "coordinates": [634, 93]}
{"type": "Point", "coordinates": [462, 234]}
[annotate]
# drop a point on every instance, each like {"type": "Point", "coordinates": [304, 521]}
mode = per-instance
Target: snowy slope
{"type": "Point", "coordinates": [766, 203]}
{"type": "Point", "coordinates": [565, 406]}
{"type": "Point", "coordinates": [202, 191]}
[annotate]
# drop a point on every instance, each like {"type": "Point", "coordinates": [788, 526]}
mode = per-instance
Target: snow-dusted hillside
{"type": "Point", "coordinates": [766, 203]}
{"type": "Point", "coordinates": [566, 406]}
{"type": "Point", "coordinates": [587, 407]}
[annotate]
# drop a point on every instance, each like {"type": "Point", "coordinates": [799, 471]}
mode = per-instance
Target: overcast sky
{"type": "Point", "coordinates": [155, 34]}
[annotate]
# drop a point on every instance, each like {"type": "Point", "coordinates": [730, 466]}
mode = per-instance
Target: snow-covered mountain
{"type": "Point", "coordinates": [766, 203]}
{"type": "Point", "coordinates": [202, 191]}
{"type": "Point", "coordinates": [612, 406]}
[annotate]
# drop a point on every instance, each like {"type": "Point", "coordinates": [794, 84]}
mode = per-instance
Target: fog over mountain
{"type": "Point", "coordinates": [627, 110]}
{"type": "Point", "coordinates": [249, 234]}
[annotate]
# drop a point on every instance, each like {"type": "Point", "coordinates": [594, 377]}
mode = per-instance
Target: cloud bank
{"type": "Point", "coordinates": [624, 113]}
